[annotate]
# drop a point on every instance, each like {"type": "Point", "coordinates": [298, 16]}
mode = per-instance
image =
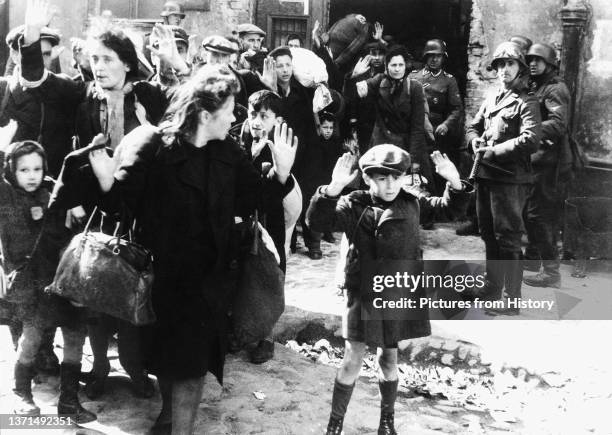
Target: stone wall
{"type": "Point", "coordinates": [593, 112]}
{"type": "Point", "coordinates": [494, 21]}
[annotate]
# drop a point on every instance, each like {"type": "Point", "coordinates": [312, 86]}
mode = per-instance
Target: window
{"type": "Point", "coordinates": [283, 26]}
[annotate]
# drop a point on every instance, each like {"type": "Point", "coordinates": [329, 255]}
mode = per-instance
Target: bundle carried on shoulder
{"type": "Point", "coordinates": [346, 38]}
{"type": "Point", "coordinates": [308, 68]}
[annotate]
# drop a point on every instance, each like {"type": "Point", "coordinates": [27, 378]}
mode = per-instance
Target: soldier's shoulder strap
{"type": "Point", "coordinates": [449, 75]}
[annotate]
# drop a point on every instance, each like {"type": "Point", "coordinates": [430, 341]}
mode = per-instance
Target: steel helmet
{"type": "Point", "coordinates": [435, 46]}
{"type": "Point", "coordinates": [508, 50]}
{"type": "Point", "coordinates": [545, 51]}
{"type": "Point", "coordinates": [522, 41]}
{"type": "Point", "coordinates": [172, 8]}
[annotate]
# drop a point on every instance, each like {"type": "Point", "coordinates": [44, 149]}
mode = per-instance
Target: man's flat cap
{"type": "Point", "coordinates": [245, 28]}
{"type": "Point", "coordinates": [385, 159]}
{"type": "Point", "coordinates": [51, 35]}
{"type": "Point", "coordinates": [218, 44]}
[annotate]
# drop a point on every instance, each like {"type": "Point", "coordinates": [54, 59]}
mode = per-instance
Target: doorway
{"type": "Point", "coordinates": [413, 22]}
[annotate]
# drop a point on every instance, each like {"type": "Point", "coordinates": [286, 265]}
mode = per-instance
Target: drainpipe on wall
{"type": "Point", "coordinates": [574, 17]}
{"type": "Point", "coordinates": [4, 29]}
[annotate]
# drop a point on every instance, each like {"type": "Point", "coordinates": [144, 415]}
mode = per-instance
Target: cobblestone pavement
{"type": "Point", "coordinates": [534, 377]}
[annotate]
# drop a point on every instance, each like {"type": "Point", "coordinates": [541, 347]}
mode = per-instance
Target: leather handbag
{"type": "Point", "coordinates": [260, 297]}
{"type": "Point", "coordinates": [108, 274]}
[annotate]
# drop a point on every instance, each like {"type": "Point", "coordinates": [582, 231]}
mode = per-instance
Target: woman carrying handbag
{"type": "Point", "coordinates": [185, 182]}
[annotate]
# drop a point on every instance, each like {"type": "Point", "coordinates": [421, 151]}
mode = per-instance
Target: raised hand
{"type": "Point", "coordinates": [283, 151]}
{"type": "Point", "coordinates": [362, 66]}
{"type": "Point", "coordinates": [163, 46]}
{"type": "Point", "coordinates": [351, 146]}
{"type": "Point", "coordinates": [378, 31]}
{"type": "Point", "coordinates": [343, 174]}
{"type": "Point", "coordinates": [268, 78]}
{"type": "Point", "coordinates": [446, 169]}
{"type": "Point", "coordinates": [102, 164]}
{"type": "Point", "coordinates": [315, 33]}
{"type": "Point", "coordinates": [38, 15]}
{"type": "Point", "coordinates": [7, 133]}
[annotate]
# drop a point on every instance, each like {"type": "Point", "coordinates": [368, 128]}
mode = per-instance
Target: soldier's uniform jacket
{"type": "Point", "coordinates": [509, 120]}
{"type": "Point", "coordinates": [443, 98]}
{"type": "Point", "coordinates": [554, 98]}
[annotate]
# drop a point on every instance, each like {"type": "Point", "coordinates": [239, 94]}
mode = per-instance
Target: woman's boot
{"type": "Point", "coordinates": [388, 394]}
{"type": "Point", "coordinates": [95, 380]}
{"type": "Point", "coordinates": [68, 403]}
{"type": "Point", "coordinates": [24, 402]}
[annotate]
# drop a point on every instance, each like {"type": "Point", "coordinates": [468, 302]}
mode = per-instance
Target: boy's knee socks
{"type": "Point", "coordinates": [388, 394]}
{"type": "Point", "coordinates": [340, 399]}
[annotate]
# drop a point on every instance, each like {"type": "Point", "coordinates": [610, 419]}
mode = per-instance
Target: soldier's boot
{"type": "Point", "coordinates": [24, 402]}
{"type": "Point", "coordinates": [548, 277]}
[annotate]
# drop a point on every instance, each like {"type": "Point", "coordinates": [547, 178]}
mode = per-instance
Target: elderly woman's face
{"type": "Point", "coordinates": [220, 121]}
{"type": "Point", "coordinates": [396, 67]}
{"type": "Point", "coordinates": [108, 70]}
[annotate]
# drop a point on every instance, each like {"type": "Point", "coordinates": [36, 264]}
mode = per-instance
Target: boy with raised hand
{"type": "Point", "coordinates": [382, 226]}
{"type": "Point", "coordinates": [264, 115]}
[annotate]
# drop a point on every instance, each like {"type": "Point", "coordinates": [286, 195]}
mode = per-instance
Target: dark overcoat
{"type": "Point", "coordinates": [188, 224]}
{"type": "Point", "coordinates": [378, 234]}
{"type": "Point", "coordinates": [38, 121]}
{"type": "Point", "coordinates": [400, 115]}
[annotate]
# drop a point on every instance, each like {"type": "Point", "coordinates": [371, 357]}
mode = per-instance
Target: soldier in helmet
{"type": "Point", "coordinates": [505, 132]}
{"type": "Point", "coordinates": [442, 93]}
{"type": "Point", "coordinates": [173, 13]}
{"type": "Point", "coordinates": [551, 165]}
{"type": "Point", "coordinates": [522, 41]}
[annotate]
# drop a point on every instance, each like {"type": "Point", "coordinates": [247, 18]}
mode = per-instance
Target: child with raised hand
{"type": "Point", "coordinates": [264, 117]}
{"type": "Point", "coordinates": [381, 223]}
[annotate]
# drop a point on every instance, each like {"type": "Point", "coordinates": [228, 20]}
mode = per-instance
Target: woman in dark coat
{"type": "Point", "coordinates": [400, 108]}
{"type": "Point", "coordinates": [185, 183]}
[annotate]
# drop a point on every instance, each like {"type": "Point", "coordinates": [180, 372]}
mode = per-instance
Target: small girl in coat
{"type": "Point", "coordinates": [24, 194]}
{"type": "Point", "coordinates": [382, 227]}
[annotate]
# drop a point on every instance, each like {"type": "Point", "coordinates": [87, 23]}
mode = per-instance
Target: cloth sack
{"type": "Point", "coordinates": [108, 274]}
{"type": "Point", "coordinates": [308, 68]}
{"type": "Point", "coordinates": [260, 297]}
